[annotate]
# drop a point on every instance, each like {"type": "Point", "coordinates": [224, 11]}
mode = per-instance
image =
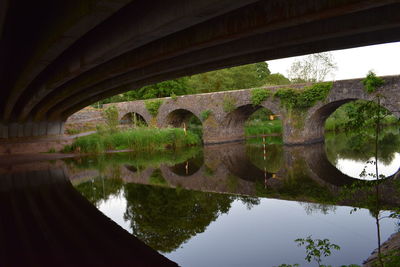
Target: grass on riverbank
{"type": "Point", "coordinates": [141, 139]}
{"type": "Point", "coordinates": [256, 128]}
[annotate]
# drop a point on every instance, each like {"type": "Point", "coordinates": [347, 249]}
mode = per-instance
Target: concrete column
{"type": "Point", "coordinates": [3, 131]}
{"type": "Point", "coordinates": [31, 129]}
{"type": "Point", "coordinates": [54, 128]}
{"type": "Point", "coordinates": [13, 130]}
{"type": "Point", "coordinates": [28, 129]}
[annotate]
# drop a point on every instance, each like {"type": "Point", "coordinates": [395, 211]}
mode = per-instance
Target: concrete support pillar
{"type": "Point", "coordinates": [3, 131]}
{"type": "Point", "coordinates": [17, 130]}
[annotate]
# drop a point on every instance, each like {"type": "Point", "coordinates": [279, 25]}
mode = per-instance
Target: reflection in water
{"type": "Point", "coordinates": [180, 214]}
{"type": "Point", "coordinates": [222, 205]}
{"type": "Point", "coordinates": [350, 152]}
{"type": "Point", "coordinates": [46, 222]}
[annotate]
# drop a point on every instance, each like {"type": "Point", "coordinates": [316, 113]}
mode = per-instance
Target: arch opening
{"type": "Point", "coordinates": [133, 119]}
{"type": "Point", "coordinates": [254, 122]}
{"type": "Point", "coordinates": [359, 133]}
{"type": "Point", "coordinates": [182, 118]}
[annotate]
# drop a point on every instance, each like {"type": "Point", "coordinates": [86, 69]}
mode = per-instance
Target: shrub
{"type": "Point", "coordinates": [152, 106]}
{"type": "Point", "coordinates": [305, 98]}
{"type": "Point", "coordinates": [258, 95]}
{"type": "Point", "coordinates": [229, 104]}
{"type": "Point", "coordinates": [372, 82]}
{"type": "Point", "coordinates": [205, 114]}
{"type": "Point", "coordinates": [174, 96]}
{"type": "Point", "coordinates": [110, 115]}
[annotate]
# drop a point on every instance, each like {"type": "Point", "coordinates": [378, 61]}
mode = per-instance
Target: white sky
{"type": "Point", "coordinates": [383, 59]}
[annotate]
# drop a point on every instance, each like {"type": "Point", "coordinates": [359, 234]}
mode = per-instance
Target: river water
{"type": "Point", "coordinates": [244, 204]}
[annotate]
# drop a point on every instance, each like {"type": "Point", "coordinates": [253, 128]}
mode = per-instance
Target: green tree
{"type": "Point", "coordinates": [276, 79]}
{"type": "Point", "coordinates": [241, 77]}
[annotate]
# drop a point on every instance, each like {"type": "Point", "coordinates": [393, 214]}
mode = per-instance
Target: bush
{"type": "Point", "coordinates": [110, 115]}
{"type": "Point", "coordinates": [152, 106]}
{"type": "Point", "coordinates": [372, 82]}
{"type": "Point", "coordinates": [305, 98]}
{"type": "Point", "coordinates": [205, 114]}
{"type": "Point", "coordinates": [258, 95]}
{"type": "Point", "coordinates": [174, 96]}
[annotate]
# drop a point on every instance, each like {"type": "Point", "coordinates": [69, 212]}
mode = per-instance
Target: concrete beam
{"type": "Point", "coordinates": [206, 35]}
{"type": "Point", "coordinates": [139, 23]}
{"type": "Point", "coordinates": [295, 36]}
{"type": "Point", "coordinates": [74, 22]}
{"type": "Point", "coordinates": [320, 46]}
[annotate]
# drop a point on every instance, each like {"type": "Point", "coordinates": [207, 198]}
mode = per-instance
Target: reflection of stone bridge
{"type": "Point", "coordinates": [222, 125]}
{"type": "Point", "coordinates": [227, 169]}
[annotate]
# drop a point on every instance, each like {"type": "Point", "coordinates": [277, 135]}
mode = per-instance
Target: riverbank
{"type": "Point", "coordinates": [140, 139]}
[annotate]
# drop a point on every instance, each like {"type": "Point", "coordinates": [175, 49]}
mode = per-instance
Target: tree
{"type": "Point", "coordinates": [276, 79]}
{"type": "Point", "coordinates": [241, 77]}
{"type": "Point", "coordinates": [312, 68]}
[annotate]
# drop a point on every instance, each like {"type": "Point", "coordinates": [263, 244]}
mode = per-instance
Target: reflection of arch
{"type": "Point", "coordinates": [178, 117]}
{"type": "Point", "coordinates": [240, 166]}
{"type": "Point", "coordinates": [320, 166]}
{"type": "Point", "coordinates": [188, 167]}
{"type": "Point", "coordinates": [133, 118]}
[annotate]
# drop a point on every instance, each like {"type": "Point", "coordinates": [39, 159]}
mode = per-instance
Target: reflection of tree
{"type": "Point", "coordinates": [99, 188]}
{"type": "Point", "coordinates": [165, 218]}
{"type": "Point", "coordinates": [249, 201]}
{"type": "Point", "coordinates": [311, 208]}
{"type": "Point", "coordinates": [358, 147]}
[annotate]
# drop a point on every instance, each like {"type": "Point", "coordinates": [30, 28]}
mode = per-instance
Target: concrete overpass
{"type": "Point", "coordinates": [60, 56]}
{"type": "Point", "coordinates": [223, 125]}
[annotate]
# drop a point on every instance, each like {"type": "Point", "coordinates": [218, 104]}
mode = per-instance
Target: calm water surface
{"type": "Point", "coordinates": [245, 204]}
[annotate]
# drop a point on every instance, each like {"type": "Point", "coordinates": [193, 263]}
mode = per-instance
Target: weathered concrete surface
{"type": "Point", "coordinates": [228, 125]}
{"type": "Point", "coordinates": [59, 57]}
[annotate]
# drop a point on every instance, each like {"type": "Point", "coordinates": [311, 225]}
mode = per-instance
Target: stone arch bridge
{"type": "Point", "coordinates": [222, 125]}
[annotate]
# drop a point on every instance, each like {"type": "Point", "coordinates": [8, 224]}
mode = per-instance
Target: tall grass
{"type": "Point", "coordinates": [255, 128]}
{"type": "Point", "coordinates": [141, 139]}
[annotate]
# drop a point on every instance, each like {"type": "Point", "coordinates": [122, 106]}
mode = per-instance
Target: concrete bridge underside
{"type": "Point", "coordinates": [223, 125]}
{"type": "Point", "coordinates": [60, 56]}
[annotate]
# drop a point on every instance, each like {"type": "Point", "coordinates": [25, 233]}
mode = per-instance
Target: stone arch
{"type": "Point", "coordinates": [176, 117]}
{"type": "Point", "coordinates": [233, 123]}
{"type": "Point", "coordinates": [133, 118]}
{"type": "Point", "coordinates": [315, 121]}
